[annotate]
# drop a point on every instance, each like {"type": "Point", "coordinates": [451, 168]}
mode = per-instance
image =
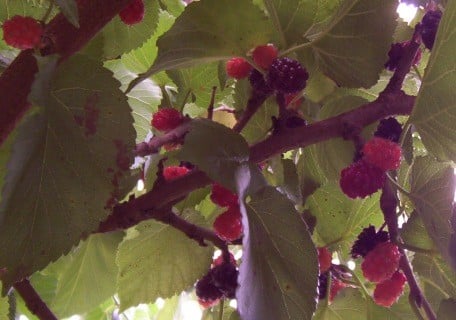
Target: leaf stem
{"type": "Point", "coordinates": [418, 73]}
{"type": "Point", "coordinates": [415, 308]}
{"type": "Point", "coordinates": [398, 186]}
{"type": "Point", "coordinates": [48, 11]}
{"type": "Point", "coordinates": [359, 282]}
{"type": "Point", "coordinates": [221, 309]}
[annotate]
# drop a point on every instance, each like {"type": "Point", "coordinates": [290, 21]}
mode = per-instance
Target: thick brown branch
{"type": "Point", "coordinates": [254, 103]}
{"type": "Point", "coordinates": [61, 38]}
{"type": "Point", "coordinates": [33, 301]}
{"type": "Point", "coordinates": [386, 105]}
{"type": "Point", "coordinates": [404, 65]}
{"type": "Point", "coordinates": [130, 213]}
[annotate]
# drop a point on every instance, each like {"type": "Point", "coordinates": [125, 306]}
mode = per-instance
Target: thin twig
{"type": "Point", "coordinates": [210, 109]}
{"type": "Point", "coordinates": [193, 231]}
{"type": "Point", "coordinates": [33, 301]}
{"type": "Point", "coordinates": [153, 145]}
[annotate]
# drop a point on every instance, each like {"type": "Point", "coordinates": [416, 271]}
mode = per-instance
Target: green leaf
{"type": "Point", "coordinates": [261, 123]}
{"type": "Point", "coordinates": [144, 99]}
{"type": "Point", "coordinates": [138, 60]}
{"type": "Point", "coordinates": [350, 304]}
{"type": "Point", "coordinates": [352, 47]}
{"type": "Point", "coordinates": [87, 278]}
{"type": "Point", "coordinates": [218, 160]}
{"type": "Point", "coordinates": [438, 278]}
{"type": "Point", "coordinates": [447, 310]}
{"type": "Point", "coordinates": [157, 260]}
{"type": "Point", "coordinates": [197, 82]}
{"type": "Point", "coordinates": [435, 107]}
{"type": "Point", "coordinates": [62, 177]}
{"type": "Point", "coordinates": [291, 18]}
{"type": "Point", "coordinates": [69, 9]}
{"type": "Point", "coordinates": [33, 8]}
{"type": "Point", "coordinates": [206, 31]}
{"type": "Point", "coordinates": [119, 38]}
{"type": "Point", "coordinates": [169, 309]}
{"type": "Point", "coordinates": [432, 188]}
{"type": "Point", "coordinates": [290, 184]}
{"type": "Point", "coordinates": [4, 306]}
{"type": "Point", "coordinates": [340, 219]}
{"type": "Point", "coordinates": [279, 269]}
{"type": "Point", "coordinates": [414, 233]}
{"type": "Point", "coordinates": [174, 7]}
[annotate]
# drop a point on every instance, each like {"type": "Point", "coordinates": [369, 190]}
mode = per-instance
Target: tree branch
{"type": "Point", "coordinates": [154, 144]}
{"type": "Point", "coordinates": [60, 37]}
{"type": "Point", "coordinates": [387, 104]}
{"type": "Point", "coordinates": [388, 204]}
{"type": "Point", "coordinates": [33, 301]}
{"type": "Point", "coordinates": [254, 103]}
{"type": "Point", "coordinates": [197, 233]}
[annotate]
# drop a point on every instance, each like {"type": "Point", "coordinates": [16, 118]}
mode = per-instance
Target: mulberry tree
{"type": "Point", "coordinates": [227, 159]}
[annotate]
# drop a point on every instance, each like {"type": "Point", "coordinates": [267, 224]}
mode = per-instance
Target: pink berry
{"type": "Point", "coordinates": [22, 32]}
{"type": "Point", "coordinates": [238, 68]}
{"type": "Point", "coordinates": [166, 119]}
{"type": "Point", "coordinates": [222, 196]}
{"type": "Point", "coordinates": [387, 292]}
{"type": "Point", "coordinates": [361, 179]}
{"type": "Point", "coordinates": [264, 55]}
{"type": "Point", "coordinates": [336, 286]}
{"type": "Point", "coordinates": [228, 225]}
{"type": "Point", "coordinates": [174, 172]}
{"type": "Point", "coordinates": [382, 153]}
{"type": "Point", "coordinates": [382, 262]}
{"type": "Point", "coordinates": [133, 13]}
{"type": "Point", "coordinates": [219, 260]}
{"type": "Point", "coordinates": [324, 259]}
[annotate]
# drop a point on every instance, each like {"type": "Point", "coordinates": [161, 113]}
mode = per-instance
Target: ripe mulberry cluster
{"type": "Point", "coordinates": [220, 282]}
{"type": "Point", "coordinates": [367, 175]}
{"type": "Point", "coordinates": [287, 76]}
{"type": "Point", "coordinates": [396, 53]}
{"type": "Point", "coordinates": [361, 179]}
{"type": "Point", "coordinates": [380, 265]}
{"type": "Point", "coordinates": [430, 24]}
{"type": "Point", "coordinates": [389, 129]}
{"type": "Point", "coordinates": [228, 225]}
{"type": "Point", "coordinates": [367, 240]}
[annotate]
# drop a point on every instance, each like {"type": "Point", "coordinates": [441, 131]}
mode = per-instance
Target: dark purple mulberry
{"type": "Point", "coordinates": [206, 290]}
{"type": "Point", "coordinates": [287, 75]}
{"type": "Point", "coordinates": [389, 129]}
{"type": "Point", "coordinates": [323, 285]}
{"type": "Point", "coordinates": [225, 277]}
{"type": "Point", "coordinates": [430, 24]}
{"type": "Point", "coordinates": [258, 83]}
{"type": "Point", "coordinates": [368, 240]}
{"type": "Point", "coordinates": [396, 53]}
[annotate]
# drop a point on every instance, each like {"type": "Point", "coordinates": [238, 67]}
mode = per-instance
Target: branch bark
{"type": "Point", "coordinates": [33, 301]}
{"type": "Point", "coordinates": [388, 204]}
